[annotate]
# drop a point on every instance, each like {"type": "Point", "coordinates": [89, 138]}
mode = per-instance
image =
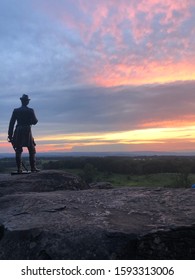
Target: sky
{"type": "Point", "coordinates": [102, 75]}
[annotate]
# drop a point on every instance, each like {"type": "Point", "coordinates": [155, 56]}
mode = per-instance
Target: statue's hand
{"type": "Point", "coordinates": [9, 138]}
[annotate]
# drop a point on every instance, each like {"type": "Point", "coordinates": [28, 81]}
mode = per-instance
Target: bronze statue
{"type": "Point", "coordinates": [21, 136]}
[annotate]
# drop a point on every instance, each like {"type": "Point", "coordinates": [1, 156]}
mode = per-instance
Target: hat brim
{"type": "Point", "coordinates": [23, 98]}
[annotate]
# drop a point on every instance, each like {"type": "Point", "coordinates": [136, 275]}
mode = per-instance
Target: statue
{"type": "Point", "coordinates": [21, 136]}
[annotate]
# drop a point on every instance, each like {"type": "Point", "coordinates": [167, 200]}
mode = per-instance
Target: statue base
{"type": "Point", "coordinates": [20, 173]}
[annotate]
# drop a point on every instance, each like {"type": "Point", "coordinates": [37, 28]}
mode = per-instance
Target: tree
{"type": "Point", "coordinates": [89, 173]}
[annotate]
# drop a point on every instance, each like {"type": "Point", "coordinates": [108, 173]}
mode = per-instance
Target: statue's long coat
{"type": "Point", "coordinates": [22, 135]}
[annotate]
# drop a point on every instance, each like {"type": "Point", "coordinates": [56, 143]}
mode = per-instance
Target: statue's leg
{"type": "Point", "coordinates": [19, 159]}
{"type": "Point", "coordinates": [32, 159]}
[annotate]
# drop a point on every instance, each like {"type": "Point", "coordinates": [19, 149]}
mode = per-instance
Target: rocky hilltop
{"type": "Point", "coordinates": [55, 215]}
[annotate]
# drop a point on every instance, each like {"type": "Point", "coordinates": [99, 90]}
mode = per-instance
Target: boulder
{"type": "Point", "coordinates": [44, 181]}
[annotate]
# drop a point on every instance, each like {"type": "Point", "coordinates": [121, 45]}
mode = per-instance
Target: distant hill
{"type": "Point", "coordinates": [103, 154]}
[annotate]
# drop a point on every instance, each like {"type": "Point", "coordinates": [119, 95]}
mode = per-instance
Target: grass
{"type": "Point", "coordinates": [151, 180]}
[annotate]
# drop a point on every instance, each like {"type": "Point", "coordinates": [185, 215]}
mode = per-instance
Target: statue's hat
{"type": "Point", "coordinates": [24, 97]}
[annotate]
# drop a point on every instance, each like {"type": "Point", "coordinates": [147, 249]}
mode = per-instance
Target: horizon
{"type": "Point", "coordinates": [102, 76]}
{"type": "Point", "coordinates": [103, 154]}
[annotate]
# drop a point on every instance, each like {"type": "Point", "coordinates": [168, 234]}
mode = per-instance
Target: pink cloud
{"type": "Point", "coordinates": [144, 73]}
{"type": "Point", "coordinates": [101, 16]}
{"type": "Point", "coordinates": [130, 10]}
{"type": "Point", "coordinates": [163, 57]}
{"type": "Point", "coordinates": [106, 16]}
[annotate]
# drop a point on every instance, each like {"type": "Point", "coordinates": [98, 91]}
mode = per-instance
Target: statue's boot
{"type": "Point", "coordinates": [33, 163]}
{"type": "Point", "coordinates": [19, 163]}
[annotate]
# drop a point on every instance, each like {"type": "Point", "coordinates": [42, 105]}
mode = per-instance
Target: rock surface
{"type": "Point", "coordinates": [55, 215]}
{"type": "Point", "coordinates": [44, 181]}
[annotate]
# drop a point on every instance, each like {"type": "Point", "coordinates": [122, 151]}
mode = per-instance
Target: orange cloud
{"type": "Point", "coordinates": [169, 145]}
{"type": "Point", "coordinates": [6, 147]}
{"type": "Point", "coordinates": [4, 144]}
{"type": "Point", "coordinates": [148, 72]}
{"type": "Point", "coordinates": [41, 147]}
{"type": "Point", "coordinates": [140, 139]}
{"type": "Point", "coordinates": [184, 121]}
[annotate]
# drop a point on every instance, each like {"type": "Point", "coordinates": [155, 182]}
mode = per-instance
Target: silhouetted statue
{"type": "Point", "coordinates": [21, 136]}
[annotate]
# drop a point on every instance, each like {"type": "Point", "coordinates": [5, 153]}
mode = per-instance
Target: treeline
{"type": "Point", "coordinates": [127, 165]}
{"type": "Point", "coordinates": [113, 164]}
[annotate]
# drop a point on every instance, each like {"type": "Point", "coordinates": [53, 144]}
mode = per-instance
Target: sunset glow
{"type": "Point", "coordinates": [102, 75]}
{"type": "Point", "coordinates": [145, 74]}
{"type": "Point", "coordinates": [156, 136]}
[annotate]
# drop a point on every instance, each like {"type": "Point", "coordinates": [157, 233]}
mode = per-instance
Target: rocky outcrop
{"type": "Point", "coordinates": [44, 181]}
{"type": "Point", "coordinates": [176, 243]}
{"type": "Point", "coordinates": [55, 215]}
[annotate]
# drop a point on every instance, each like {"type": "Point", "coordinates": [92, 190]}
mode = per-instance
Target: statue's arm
{"type": "Point", "coordinates": [11, 125]}
{"type": "Point", "coordinates": [34, 119]}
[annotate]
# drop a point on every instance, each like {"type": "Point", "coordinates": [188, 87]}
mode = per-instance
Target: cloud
{"type": "Point", "coordinates": [57, 44]}
{"type": "Point", "coordinates": [101, 109]}
{"type": "Point", "coordinates": [98, 66]}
